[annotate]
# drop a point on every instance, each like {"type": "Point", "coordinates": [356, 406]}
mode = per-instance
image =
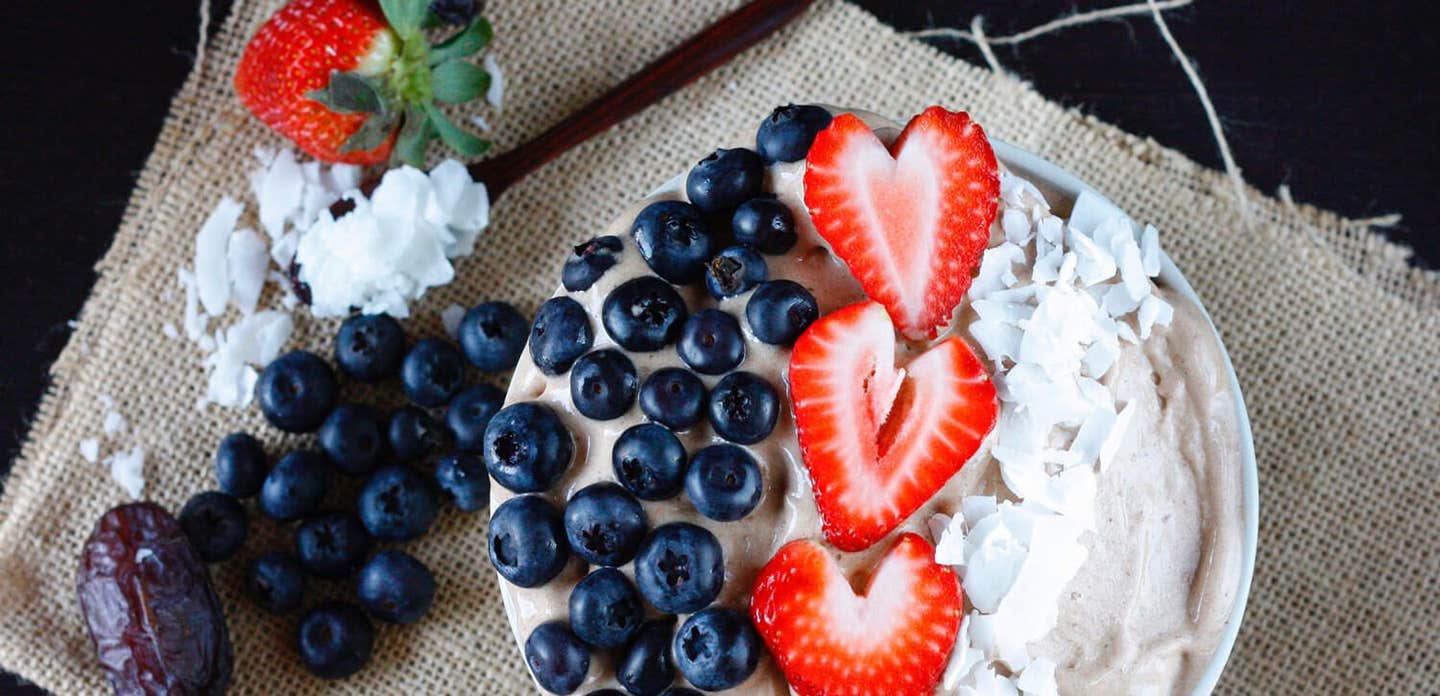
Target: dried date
{"type": "Point", "coordinates": [153, 617]}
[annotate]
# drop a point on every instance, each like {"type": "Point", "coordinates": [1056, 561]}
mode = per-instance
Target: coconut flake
{"type": "Point", "coordinates": [249, 344]}
{"type": "Point", "coordinates": [169, 330]}
{"type": "Point", "coordinates": [495, 93]}
{"type": "Point", "coordinates": [1038, 678]}
{"type": "Point", "coordinates": [90, 449]}
{"type": "Point", "coordinates": [996, 269]}
{"type": "Point", "coordinates": [113, 424]}
{"type": "Point", "coordinates": [128, 470]}
{"type": "Point", "coordinates": [279, 190]}
{"type": "Point", "coordinates": [212, 278]}
{"type": "Point", "coordinates": [1016, 225]}
{"type": "Point", "coordinates": [247, 260]}
{"type": "Point", "coordinates": [1093, 264]}
{"type": "Point", "coordinates": [1150, 251]}
{"type": "Point", "coordinates": [950, 542]}
{"type": "Point", "coordinates": [450, 317]}
{"type": "Point", "coordinates": [1153, 312]}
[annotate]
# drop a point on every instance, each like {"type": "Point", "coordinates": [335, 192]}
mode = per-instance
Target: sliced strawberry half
{"type": "Point", "coordinates": [878, 438]}
{"type": "Point", "coordinates": [910, 220]}
{"type": "Point", "coordinates": [892, 639]}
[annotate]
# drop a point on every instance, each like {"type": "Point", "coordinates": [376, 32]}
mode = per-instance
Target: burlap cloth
{"type": "Point", "coordinates": [1336, 341]}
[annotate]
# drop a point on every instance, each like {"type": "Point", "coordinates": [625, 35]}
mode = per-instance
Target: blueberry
{"type": "Point", "coordinates": [725, 179]}
{"type": "Point", "coordinates": [276, 582]}
{"type": "Point", "coordinates": [557, 658]}
{"type": "Point", "coordinates": [527, 449]}
{"type": "Point", "coordinates": [395, 587]}
{"type": "Point", "coordinates": [673, 238]}
{"type": "Point", "coordinates": [604, 524]}
{"type": "Point", "coordinates": [353, 437]}
{"type": "Point", "coordinates": [296, 391]}
{"type": "Point", "coordinates": [680, 568]}
{"type": "Point", "coordinates": [649, 461]}
{"type": "Point", "coordinates": [215, 524]}
{"type": "Point", "coordinates": [743, 408]}
{"type": "Point", "coordinates": [492, 335]}
{"type": "Point", "coordinates": [673, 397]}
{"type": "Point", "coordinates": [332, 545]}
{"type": "Point", "coordinates": [469, 412]}
{"type": "Point", "coordinates": [560, 334]}
{"type": "Point", "coordinates": [295, 487]}
{"type": "Point", "coordinates": [717, 649]}
{"type": "Point", "coordinates": [603, 384]}
{"type": "Point", "coordinates": [644, 314]}
{"type": "Point", "coordinates": [606, 692]}
{"type": "Point", "coordinates": [605, 609]}
{"type": "Point", "coordinates": [724, 482]}
{"type": "Point", "coordinates": [645, 667]}
{"type": "Point", "coordinates": [734, 271]}
{"type": "Point", "coordinates": [413, 434]}
{"type": "Point", "coordinates": [462, 476]}
{"type": "Point", "coordinates": [589, 261]}
{"type": "Point", "coordinates": [711, 342]}
{"type": "Point", "coordinates": [432, 372]}
{"type": "Point", "coordinates": [527, 541]}
{"type": "Point", "coordinates": [765, 224]}
{"type": "Point", "coordinates": [780, 311]}
{"type": "Point", "coordinates": [369, 347]}
{"type": "Point", "coordinates": [456, 12]}
{"type": "Point", "coordinates": [335, 640]}
{"type": "Point", "coordinates": [786, 135]}
{"type": "Point", "coordinates": [240, 465]}
{"type": "Point", "coordinates": [397, 504]}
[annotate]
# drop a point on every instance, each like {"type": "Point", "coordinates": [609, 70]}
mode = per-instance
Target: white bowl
{"type": "Point", "coordinates": [1054, 180]}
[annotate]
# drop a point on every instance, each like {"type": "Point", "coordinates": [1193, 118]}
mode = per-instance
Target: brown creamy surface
{"type": "Point", "coordinates": [1147, 608]}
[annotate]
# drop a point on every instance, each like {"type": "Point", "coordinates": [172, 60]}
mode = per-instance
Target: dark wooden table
{"type": "Point", "coordinates": [1336, 99]}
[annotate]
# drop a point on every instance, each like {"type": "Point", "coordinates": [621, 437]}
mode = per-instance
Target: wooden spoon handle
{"type": "Point", "coordinates": [682, 65]}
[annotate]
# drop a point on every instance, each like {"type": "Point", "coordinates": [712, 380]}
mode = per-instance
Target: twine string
{"type": "Point", "coordinates": [1156, 10]}
{"type": "Point", "coordinates": [204, 34]}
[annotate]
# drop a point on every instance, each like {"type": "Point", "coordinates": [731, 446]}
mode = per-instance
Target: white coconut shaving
{"type": "Point", "coordinates": [127, 468]}
{"type": "Point", "coordinates": [241, 351]}
{"type": "Point", "coordinates": [1053, 302]}
{"type": "Point", "coordinates": [450, 317]}
{"type": "Point", "coordinates": [495, 93]}
{"type": "Point", "coordinates": [394, 245]}
{"type": "Point", "coordinates": [90, 449]}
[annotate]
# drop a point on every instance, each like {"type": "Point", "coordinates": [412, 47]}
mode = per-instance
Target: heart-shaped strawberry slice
{"type": "Point", "coordinates": [893, 639]}
{"type": "Point", "coordinates": [879, 438]}
{"type": "Point", "coordinates": [910, 220]}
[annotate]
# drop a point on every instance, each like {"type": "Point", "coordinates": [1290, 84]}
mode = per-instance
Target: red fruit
{"type": "Point", "coordinates": [910, 220]}
{"type": "Point", "coordinates": [293, 55]}
{"type": "Point", "coordinates": [348, 82]}
{"type": "Point", "coordinates": [894, 639]}
{"type": "Point", "coordinates": [879, 438]}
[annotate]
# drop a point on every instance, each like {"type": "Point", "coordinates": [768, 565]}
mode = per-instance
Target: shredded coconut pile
{"type": "Point", "coordinates": [1053, 332]}
{"type": "Point", "coordinates": [379, 257]}
{"type": "Point", "coordinates": [394, 245]}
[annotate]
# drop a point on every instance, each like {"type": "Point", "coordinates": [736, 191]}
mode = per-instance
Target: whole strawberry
{"type": "Point", "coordinates": [357, 81]}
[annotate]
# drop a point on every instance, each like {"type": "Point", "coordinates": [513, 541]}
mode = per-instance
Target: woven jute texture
{"type": "Point", "coordinates": [1336, 341]}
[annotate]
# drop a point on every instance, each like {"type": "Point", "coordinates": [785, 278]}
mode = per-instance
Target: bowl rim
{"type": "Point", "coordinates": [1042, 171]}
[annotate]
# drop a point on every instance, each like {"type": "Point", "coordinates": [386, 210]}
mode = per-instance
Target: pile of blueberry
{"type": "Point", "coordinates": [397, 499]}
{"type": "Point", "coordinates": [719, 238]}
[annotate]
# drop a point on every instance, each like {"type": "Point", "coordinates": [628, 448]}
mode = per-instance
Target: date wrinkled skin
{"type": "Point", "coordinates": [154, 619]}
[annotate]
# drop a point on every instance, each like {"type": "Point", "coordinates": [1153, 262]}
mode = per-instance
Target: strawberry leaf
{"type": "Point", "coordinates": [456, 82]}
{"type": "Point", "coordinates": [462, 141]}
{"type": "Point", "coordinates": [349, 93]}
{"type": "Point", "coordinates": [371, 134]}
{"type": "Point", "coordinates": [406, 17]}
{"type": "Point", "coordinates": [414, 136]}
{"type": "Point", "coordinates": [464, 43]}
